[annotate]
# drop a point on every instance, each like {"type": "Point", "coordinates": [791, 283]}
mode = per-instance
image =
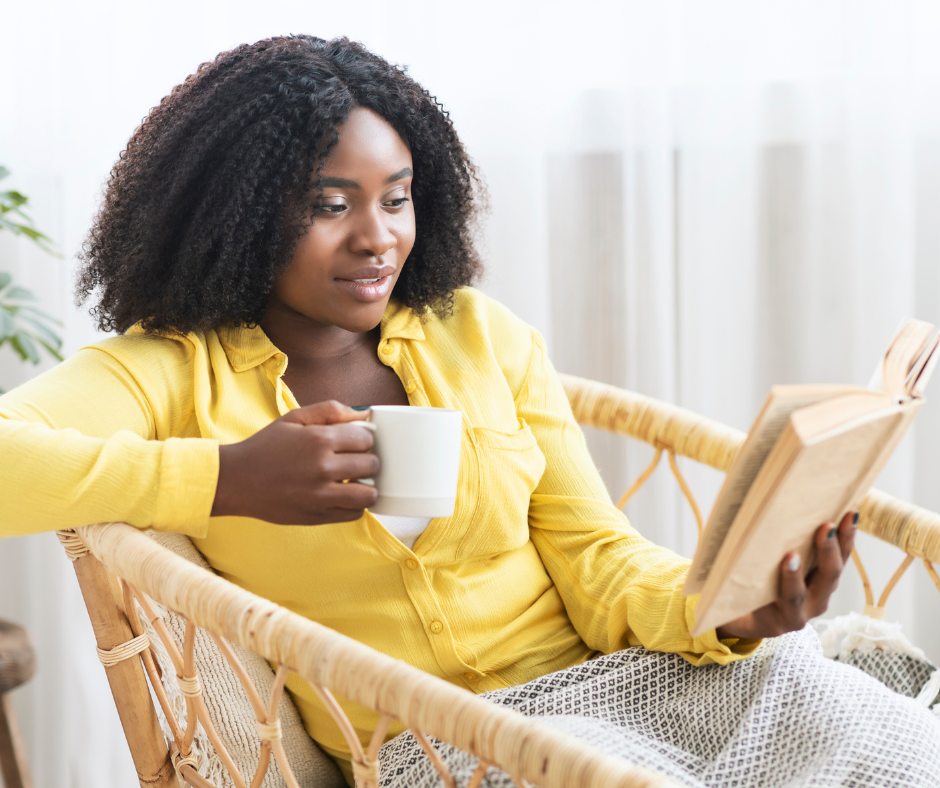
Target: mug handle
{"type": "Point", "coordinates": [371, 426]}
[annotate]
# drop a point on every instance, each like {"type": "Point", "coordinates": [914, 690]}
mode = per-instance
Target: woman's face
{"type": "Point", "coordinates": [345, 266]}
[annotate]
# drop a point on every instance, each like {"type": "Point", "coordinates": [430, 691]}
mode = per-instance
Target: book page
{"type": "Point", "coordinates": [903, 352]}
{"type": "Point", "coordinates": [922, 368]}
{"type": "Point", "coordinates": [767, 428]}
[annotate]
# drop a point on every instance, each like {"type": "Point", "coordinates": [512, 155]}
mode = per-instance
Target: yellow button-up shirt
{"type": "Point", "coordinates": [535, 571]}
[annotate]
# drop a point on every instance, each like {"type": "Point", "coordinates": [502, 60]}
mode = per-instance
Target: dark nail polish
{"type": "Point", "coordinates": [832, 532]}
{"type": "Point", "coordinates": [855, 520]}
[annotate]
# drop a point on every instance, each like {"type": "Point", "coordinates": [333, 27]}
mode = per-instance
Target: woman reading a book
{"type": "Point", "coordinates": [289, 234]}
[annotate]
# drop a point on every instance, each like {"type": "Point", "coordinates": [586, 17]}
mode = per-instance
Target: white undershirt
{"type": "Point", "coordinates": [405, 529]}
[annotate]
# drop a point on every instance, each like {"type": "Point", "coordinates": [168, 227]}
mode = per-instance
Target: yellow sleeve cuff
{"type": "Point", "coordinates": [707, 649]}
{"type": "Point", "coordinates": [189, 473]}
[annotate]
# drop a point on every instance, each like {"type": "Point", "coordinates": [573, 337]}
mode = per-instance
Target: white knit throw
{"type": "Point", "coordinates": [787, 716]}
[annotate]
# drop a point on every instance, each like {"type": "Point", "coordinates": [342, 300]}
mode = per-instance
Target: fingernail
{"type": "Point", "coordinates": [794, 563]}
{"type": "Point", "coordinates": [855, 519]}
{"type": "Point", "coordinates": [832, 532]}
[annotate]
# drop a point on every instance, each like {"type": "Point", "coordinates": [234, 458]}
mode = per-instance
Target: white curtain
{"type": "Point", "coordinates": [691, 199]}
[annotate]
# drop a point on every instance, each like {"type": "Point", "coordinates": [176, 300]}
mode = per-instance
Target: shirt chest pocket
{"type": "Point", "coordinates": [509, 466]}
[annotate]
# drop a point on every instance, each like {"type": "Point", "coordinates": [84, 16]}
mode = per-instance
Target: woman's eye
{"type": "Point", "coordinates": [398, 202]}
{"type": "Point", "coordinates": [329, 207]}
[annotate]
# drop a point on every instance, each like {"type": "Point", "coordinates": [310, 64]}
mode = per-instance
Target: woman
{"type": "Point", "coordinates": [303, 200]}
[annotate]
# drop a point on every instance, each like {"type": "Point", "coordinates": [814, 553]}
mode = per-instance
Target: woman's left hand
{"type": "Point", "coordinates": [800, 600]}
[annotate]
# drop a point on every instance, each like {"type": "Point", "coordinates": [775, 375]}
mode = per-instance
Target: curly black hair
{"type": "Point", "coordinates": [199, 215]}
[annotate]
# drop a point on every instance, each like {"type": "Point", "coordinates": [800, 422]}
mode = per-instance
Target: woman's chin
{"type": "Point", "coordinates": [360, 321]}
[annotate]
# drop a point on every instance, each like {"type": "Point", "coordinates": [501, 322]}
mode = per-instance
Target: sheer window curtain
{"type": "Point", "coordinates": [694, 200]}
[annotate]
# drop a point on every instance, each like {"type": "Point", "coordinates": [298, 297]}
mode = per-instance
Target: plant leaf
{"type": "Point", "coordinates": [45, 334]}
{"type": "Point", "coordinates": [14, 198]}
{"type": "Point", "coordinates": [30, 232]}
{"type": "Point", "coordinates": [17, 308]}
{"type": "Point", "coordinates": [50, 349]}
{"type": "Point", "coordinates": [5, 279]}
{"type": "Point", "coordinates": [11, 202]}
{"type": "Point", "coordinates": [20, 293]}
{"type": "Point", "coordinates": [41, 240]}
{"type": "Point", "coordinates": [7, 325]}
{"type": "Point", "coordinates": [25, 346]}
{"type": "Point", "coordinates": [15, 344]}
{"type": "Point", "coordinates": [8, 224]}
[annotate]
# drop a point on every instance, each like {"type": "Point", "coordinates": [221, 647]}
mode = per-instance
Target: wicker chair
{"type": "Point", "coordinates": [118, 566]}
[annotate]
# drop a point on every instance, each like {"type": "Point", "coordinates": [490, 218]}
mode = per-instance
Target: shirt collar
{"type": "Point", "coordinates": [250, 347]}
{"type": "Point", "coordinates": [401, 322]}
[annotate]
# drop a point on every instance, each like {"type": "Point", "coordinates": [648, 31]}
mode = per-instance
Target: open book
{"type": "Point", "coordinates": [810, 457]}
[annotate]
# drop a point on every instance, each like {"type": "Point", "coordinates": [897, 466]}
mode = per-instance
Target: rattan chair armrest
{"type": "Point", "coordinates": [658, 423]}
{"type": "Point", "coordinates": [516, 743]}
{"type": "Point", "coordinates": [913, 529]}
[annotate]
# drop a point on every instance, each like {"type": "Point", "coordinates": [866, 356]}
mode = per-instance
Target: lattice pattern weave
{"type": "Point", "coordinates": [901, 672]}
{"type": "Point", "coordinates": [785, 717]}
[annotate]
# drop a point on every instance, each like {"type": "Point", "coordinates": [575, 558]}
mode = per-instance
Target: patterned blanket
{"type": "Point", "coordinates": [785, 717]}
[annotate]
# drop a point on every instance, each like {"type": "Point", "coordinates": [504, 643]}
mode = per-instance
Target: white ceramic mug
{"type": "Point", "coordinates": [419, 451]}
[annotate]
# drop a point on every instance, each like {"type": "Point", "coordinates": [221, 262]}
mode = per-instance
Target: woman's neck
{"type": "Point", "coordinates": [306, 342]}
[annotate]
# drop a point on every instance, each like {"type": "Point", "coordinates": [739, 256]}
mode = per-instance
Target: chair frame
{"type": "Point", "coordinates": [118, 565]}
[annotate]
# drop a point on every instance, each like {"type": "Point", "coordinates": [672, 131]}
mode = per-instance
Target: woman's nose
{"type": "Point", "coordinates": [372, 234]}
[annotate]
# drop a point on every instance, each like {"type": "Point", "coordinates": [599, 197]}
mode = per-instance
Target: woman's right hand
{"type": "Point", "coordinates": [292, 471]}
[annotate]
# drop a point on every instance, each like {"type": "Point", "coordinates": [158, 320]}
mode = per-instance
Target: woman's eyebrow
{"type": "Point", "coordinates": [328, 182]}
{"type": "Point", "coordinates": [338, 183]}
{"type": "Point", "coordinates": [402, 173]}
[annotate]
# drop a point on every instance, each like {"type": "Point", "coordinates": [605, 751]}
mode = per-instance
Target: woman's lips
{"type": "Point", "coordinates": [367, 291]}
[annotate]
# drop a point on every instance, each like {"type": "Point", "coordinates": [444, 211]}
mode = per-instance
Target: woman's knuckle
{"type": "Point", "coordinates": [796, 599]}
{"type": "Point", "coordinates": [317, 436]}
{"type": "Point", "coordinates": [832, 560]}
{"type": "Point", "coordinates": [325, 466]}
{"type": "Point", "coordinates": [335, 408]}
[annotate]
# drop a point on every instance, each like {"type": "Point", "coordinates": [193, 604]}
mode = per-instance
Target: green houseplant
{"type": "Point", "coordinates": [24, 327]}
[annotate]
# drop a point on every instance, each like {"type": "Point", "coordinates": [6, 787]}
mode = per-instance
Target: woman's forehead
{"type": "Point", "coordinates": [367, 138]}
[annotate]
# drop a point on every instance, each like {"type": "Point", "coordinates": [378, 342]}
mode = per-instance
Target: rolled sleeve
{"type": "Point", "coordinates": [189, 474]}
{"type": "Point", "coordinates": [707, 649]}
{"type": "Point", "coordinates": [79, 445]}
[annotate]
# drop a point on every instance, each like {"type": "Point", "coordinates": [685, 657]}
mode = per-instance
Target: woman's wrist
{"type": "Point", "coordinates": [223, 504]}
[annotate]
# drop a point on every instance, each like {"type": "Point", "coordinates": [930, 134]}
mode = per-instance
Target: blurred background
{"type": "Point", "coordinates": [691, 198]}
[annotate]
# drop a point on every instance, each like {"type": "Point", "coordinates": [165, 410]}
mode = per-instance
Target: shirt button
{"type": "Point", "coordinates": [470, 676]}
{"type": "Point", "coordinates": [436, 627]}
{"type": "Point", "coordinates": [410, 386]}
{"type": "Point", "coordinates": [387, 349]}
{"type": "Point", "coordinates": [411, 563]}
